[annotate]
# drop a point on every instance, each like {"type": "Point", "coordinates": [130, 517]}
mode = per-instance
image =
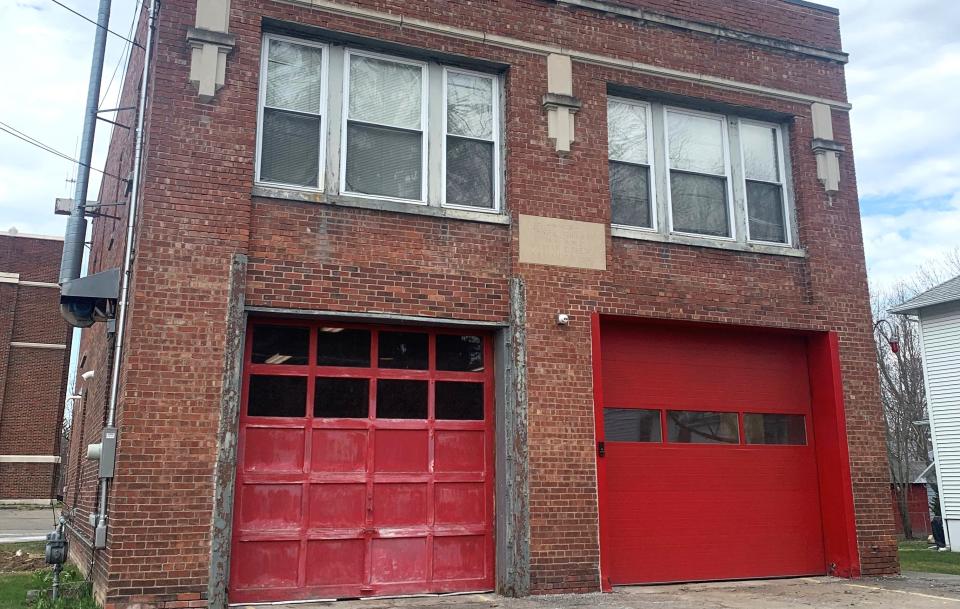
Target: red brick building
{"type": "Point", "coordinates": [34, 359]}
{"type": "Point", "coordinates": [529, 296]}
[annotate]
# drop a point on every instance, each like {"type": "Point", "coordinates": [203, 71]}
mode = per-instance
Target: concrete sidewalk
{"type": "Point", "coordinates": [911, 591]}
{"type": "Point", "coordinates": [25, 523]}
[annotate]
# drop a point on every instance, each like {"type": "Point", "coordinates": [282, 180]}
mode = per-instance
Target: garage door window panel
{"type": "Point", "coordinates": [403, 350]}
{"type": "Point", "coordinates": [343, 347]}
{"type": "Point", "coordinates": [289, 345]}
{"type": "Point", "coordinates": [456, 401]}
{"type": "Point", "coordinates": [277, 396]}
{"type": "Point", "coordinates": [341, 398]}
{"type": "Point", "coordinates": [401, 399]}
{"type": "Point", "coordinates": [696, 427]}
{"type": "Point", "coordinates": [631, 425]}
{"type": "Point", "coordinates": [783, 429]}
{"type": "Point", "coordinates": [459, 353]}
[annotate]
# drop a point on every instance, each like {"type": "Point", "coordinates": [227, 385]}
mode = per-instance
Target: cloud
{"type": "Point", "coordinates": [902, 240]}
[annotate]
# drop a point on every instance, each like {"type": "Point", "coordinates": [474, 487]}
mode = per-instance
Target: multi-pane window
{"type": "Point", "coordinates": [630, 154]}
{"type": "Point", "coordinates": [394, 129]}
{"type": "Point", "coordinates": [763, 172]}
{"type": "Point", "coordinates": [470, 140]}
{"type": "Point", "coordinates": [291, 120]}
{"type": "Point", "coordinates": [719, 177]}
{"type": "Point", "coordinates": [384, 135]}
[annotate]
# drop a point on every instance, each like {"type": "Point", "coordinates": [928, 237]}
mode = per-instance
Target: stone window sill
{"type": "Point", "coordinates": [292, 194]}
{"type": "Point", "coordinates": [737, 246]}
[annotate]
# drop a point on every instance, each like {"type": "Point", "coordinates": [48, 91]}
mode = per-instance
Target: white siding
{"type": "Point", "coordinates": [941, 349]}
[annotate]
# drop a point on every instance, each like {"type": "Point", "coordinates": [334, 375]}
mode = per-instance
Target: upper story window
{"type": "Point", "coordinates": [292, 105]}
{"type": "Point", "coordinates": [395, 129]}
{"type": "Point", "coordinates": [386, 151]}
{"type": "Point", "coordinates": [722, 177]}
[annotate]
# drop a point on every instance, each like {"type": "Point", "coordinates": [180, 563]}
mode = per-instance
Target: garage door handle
{"type": "Point", "coordinates": [601, 449]}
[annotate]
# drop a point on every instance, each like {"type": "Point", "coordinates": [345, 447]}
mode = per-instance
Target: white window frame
{"type": "Point", "coordinates": [495, 118]}
{"type": "Point", "coordinates": [731, 218]}
{"type": "Point", "coordinates": [651, 166]}
{"type": "Point", "coordinates": [781, 169]}
{"type": "Point", "coordinates": [424, 125]}
{"type": "Point", "coordinates": [324, 109]}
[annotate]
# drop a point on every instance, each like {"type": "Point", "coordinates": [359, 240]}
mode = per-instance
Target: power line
{"type": "Point", "coordinates": [85, 18]}
{"type": "Point", "coordinates": [35, 142]}
{"type": "Point", "coordinates": [124, 58]}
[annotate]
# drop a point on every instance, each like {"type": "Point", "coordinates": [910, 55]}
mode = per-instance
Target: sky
{"type": "Point", "coordinates": [903, 81]}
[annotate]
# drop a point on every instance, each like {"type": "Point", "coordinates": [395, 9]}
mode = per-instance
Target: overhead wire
{"type": "Point", "coordinates": [50, 149]}
{"type": "Point", "coordinates": [124, 58]}
{"type": "Point", "coordinates": [85, 18]}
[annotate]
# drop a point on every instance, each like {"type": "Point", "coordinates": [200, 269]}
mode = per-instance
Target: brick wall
{"type": "Point", "coordinates": [32, 378]}
{"type": "Point", "coordinates": [199, 211]}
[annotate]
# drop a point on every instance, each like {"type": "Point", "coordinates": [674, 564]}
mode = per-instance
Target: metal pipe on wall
{"type": "Point", "coordinates": [123, 302]}
{"type": "Point", "coordinates": [76, 232]}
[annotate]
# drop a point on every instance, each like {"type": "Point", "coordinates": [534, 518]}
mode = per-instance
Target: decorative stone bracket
{"type": "Point", "coordinates": [559, 101]}
{"type": "Point", "coordinates": [825, 148]}
{"type": "Point", "coordinates": [208, 59]}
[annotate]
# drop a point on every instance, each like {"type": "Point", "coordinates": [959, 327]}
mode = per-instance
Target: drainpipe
{"type": "Point", "coordinates": [76, 233]}
{"type": "Point", "coordinates": [100, 533]}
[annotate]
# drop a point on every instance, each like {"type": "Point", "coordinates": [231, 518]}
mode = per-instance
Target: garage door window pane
{"type": "Point", "coordinates": [694, 427]}
{"type": "Point", "coordinates": [631, 425]}
{"type": "Point", "coordinates": [280, 345]}
{"type": "Point", "coordinates": [277, 396]}
{"type": "Point", "coordinates": [401, 399]}
{"type": "Point", "coordinates": [403, 350]}
{"type": "Point", "coordinates": [459, 353]}
{"type": "Point", "coordinates": [775, 429]}
{"type": "Point", "coordinates": [343, 347]}
{"type": "Point", "coordinates": [341, 398]}
{"type": "Point", "coordinates": [459, 401]}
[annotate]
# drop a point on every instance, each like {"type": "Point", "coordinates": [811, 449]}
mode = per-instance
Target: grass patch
{"type": "Point", "coordinates": [13, 589]}
{"type": "Point", "coordinates": [914, 556]}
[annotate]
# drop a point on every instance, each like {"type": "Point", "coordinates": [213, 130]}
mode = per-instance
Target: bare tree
{"type": "Point", "coordinates": [901, 379]}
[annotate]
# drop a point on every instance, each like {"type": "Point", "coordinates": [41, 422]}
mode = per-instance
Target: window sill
{"type": "Point", "coordinates": [292, 194]}
{"type": "Point", "coordinates": [737, 246]}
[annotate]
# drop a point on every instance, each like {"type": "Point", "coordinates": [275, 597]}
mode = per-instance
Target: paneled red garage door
{"type": "Point", "coordinates": [365, 463]}
{"type": "Point", "coordinates": [708, 469]}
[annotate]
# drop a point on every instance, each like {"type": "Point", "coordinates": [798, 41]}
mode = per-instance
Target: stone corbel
{"type": "Point", "coordinates": [559, 102]}
{"type": "Point", "coordinates": [208, 59]}
{"type": "Point", "coordinates": [826, 150]}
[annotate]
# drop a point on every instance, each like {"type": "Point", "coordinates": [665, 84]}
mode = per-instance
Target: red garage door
{"type": "Point", "coordinates": [707, 464]}
{"type": "Point", "coordinates": [365, 463]}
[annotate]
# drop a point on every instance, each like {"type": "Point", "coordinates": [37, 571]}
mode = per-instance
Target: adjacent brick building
{"type": "Point", "coordinates": [529, 296]}
{"type": "Point", "coordinates": [34, 359]}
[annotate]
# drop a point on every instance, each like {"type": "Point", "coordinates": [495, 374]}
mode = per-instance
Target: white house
{"type": "Point", "coordinates": [938, 312]}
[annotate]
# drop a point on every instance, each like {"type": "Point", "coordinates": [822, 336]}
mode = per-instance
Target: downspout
{"type": "Point", "coordinates": [123, 302]}
{"type": "Point", "coordinates": [76, 233]}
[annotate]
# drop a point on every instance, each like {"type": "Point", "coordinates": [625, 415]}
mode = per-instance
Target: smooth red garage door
{"type": "Point", "coordinates": [709, 470]}
{"type": "Point", "coordinates": [365, 463]}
